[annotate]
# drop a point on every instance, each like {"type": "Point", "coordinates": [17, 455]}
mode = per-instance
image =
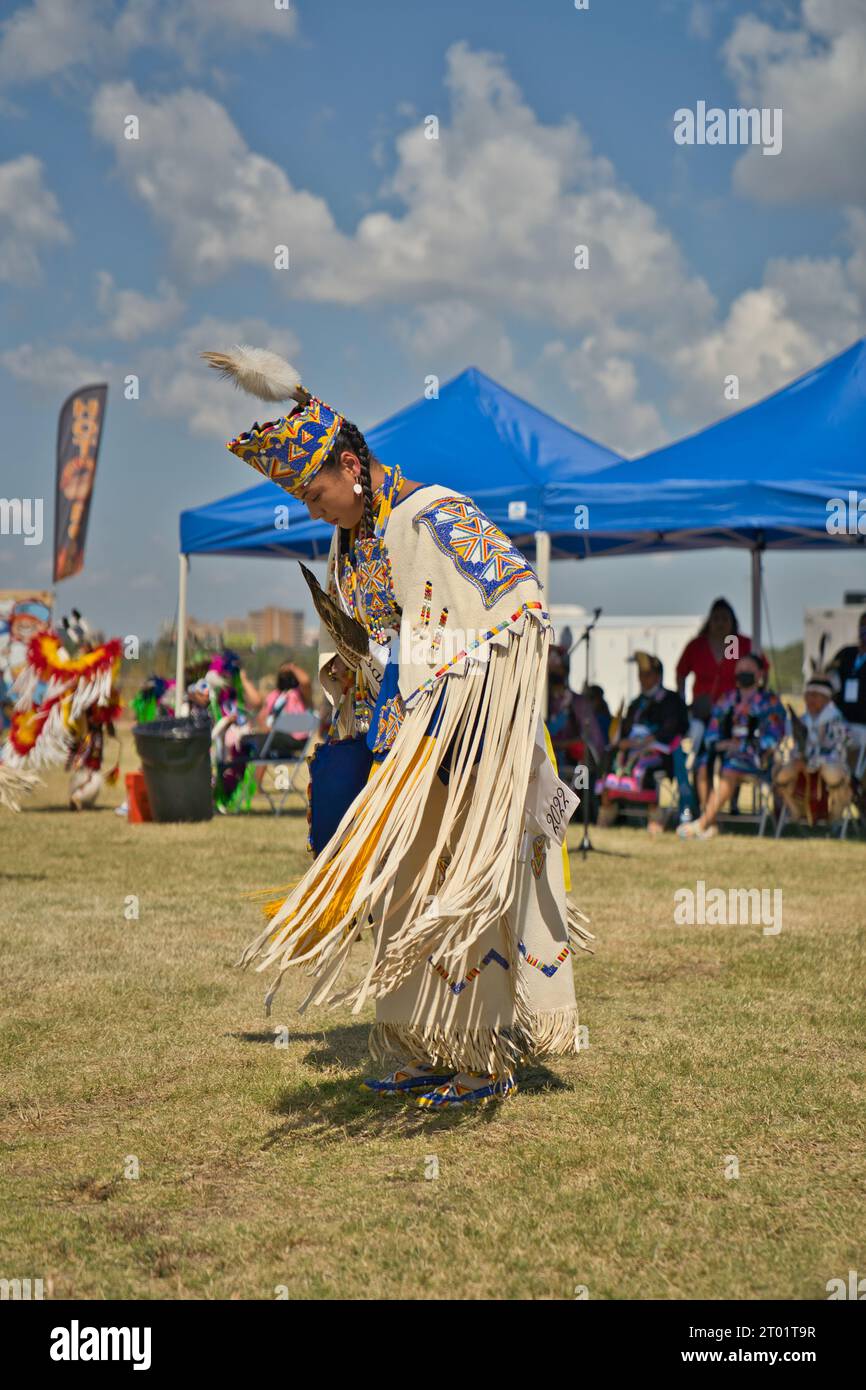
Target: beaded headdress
{"type": "Point", "coordinates": [290, 451]}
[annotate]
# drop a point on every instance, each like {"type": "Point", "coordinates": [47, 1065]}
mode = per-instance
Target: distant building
{"type": "Point", "coordinates": [237, 632]}
{"type": "Point", "coordinates": [265, 627]}
{"type": "Point", "coordinates": [283, 627]}
{"type": "Point", "coordinates": [208, 636]}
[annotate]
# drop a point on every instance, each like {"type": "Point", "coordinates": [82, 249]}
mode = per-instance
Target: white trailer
{"type": "Point", "coordinates": [838, 625]}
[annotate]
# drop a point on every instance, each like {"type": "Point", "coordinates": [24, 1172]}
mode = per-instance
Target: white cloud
{"type": "Point", "coordinates": [700, 21]}
{"type": "Point", "coordinates": [758, 342]}
{"type": "Point", "coordinates": [177, 384]}
{"type": "Point", "coordinates": [479, 234]}
{"type": "Point", "coordinates": [856, 224]}
{"type": "Point", "coordinates": [174, 382]}
{"type": "Point", "coordinates": [130, 315]}
{"type": "Point", "coordinates": [48, 37]}
{"type": "Point", "coordinates": [447, 335]}
{"type": "Point", "coordinates": [218, 203]}
{"type": "Point", "coordinates": [806, 310]}
{"type": "Point", "coordinates": [57, 369]}
{"type": "Point", "coordinates": [29, 220]}
{"type": "Point", "coordinates": [492, 211]}
{"type": "Point", "coordinates": [815, 73]}
{"type": "Point", "coordinates": [491, 214]}
{"type": "Point", "coordinates": [607, 392]}
{"type": "Point", "coordinates": [42, 39]}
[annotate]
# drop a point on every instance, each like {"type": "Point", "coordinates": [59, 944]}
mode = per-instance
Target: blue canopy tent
{"type": "Point", "coordinates": [474, 436]}
{"type": "Point", "coordinates": [763, 479]}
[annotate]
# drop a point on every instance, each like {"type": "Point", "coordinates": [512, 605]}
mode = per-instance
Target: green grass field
{"type": "Point", "coordinates": [134, 1041]}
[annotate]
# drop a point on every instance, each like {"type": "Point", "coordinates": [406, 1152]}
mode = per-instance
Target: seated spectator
{"type": "Point", "coordinates": [600, 710]}
{"type": "Point", "coordinates": [571, 723]}
{"type": "Point", "coordinates": [745, 729]}
{"type": "Point", "coordinates": [292, 694]}
{"type": "Point", "coordinates": [849, 664]}
{"type": "Point", "coordinates": [654, 724]}
{"type": "Point", "coordinates": [822, 753]}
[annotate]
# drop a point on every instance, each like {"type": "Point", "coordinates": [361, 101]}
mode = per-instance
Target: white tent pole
{"type": "Point", "coordinates": [542, 569]}
{"type": "Point", "coordinates": [180, 667]}
{"type": "Point", "coordinates": [542, 562]}
{"type": "Point", "coordinates": [757, 565]}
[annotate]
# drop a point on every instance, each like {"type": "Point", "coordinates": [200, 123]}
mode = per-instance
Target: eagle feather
{"type": "Point", "coordinates": [260, 373]}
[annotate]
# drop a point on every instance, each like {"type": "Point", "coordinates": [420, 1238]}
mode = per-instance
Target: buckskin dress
{"type": "Point", "coordinates": [449, 854]}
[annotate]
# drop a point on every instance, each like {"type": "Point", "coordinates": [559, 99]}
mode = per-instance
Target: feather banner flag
{"type": "Point", "coordinates": [79, 431]}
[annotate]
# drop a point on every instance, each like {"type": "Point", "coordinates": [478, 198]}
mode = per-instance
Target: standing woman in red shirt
{"type": "Point", "coordinates": [712, 658]}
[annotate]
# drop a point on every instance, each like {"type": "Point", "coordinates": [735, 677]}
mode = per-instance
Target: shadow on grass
{"type": "Point", "coordinates": [261, 811]}
{"type": "Point", "coordinates": [339, 1109]}
{"type": "Point", "coordinates": [344, 1047]}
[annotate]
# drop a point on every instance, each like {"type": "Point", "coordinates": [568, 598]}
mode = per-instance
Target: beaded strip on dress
{"type": "Point", "coordinates": [365, 583]}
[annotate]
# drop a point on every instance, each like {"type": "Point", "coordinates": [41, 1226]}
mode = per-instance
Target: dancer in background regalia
{"type": "Point", "coordinates": [67, 703]}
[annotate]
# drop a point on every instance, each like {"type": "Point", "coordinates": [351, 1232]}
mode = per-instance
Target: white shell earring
{"type": "Point", "coordinates": [357, 489]}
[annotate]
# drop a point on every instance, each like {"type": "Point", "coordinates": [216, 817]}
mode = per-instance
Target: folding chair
{"type": "Point", "coordinates": [762, 804]}
{"type": "Point", "coordinates": [307, 723]}
{"type": "Point", "coordinates": [640, 803]}
{"type": "Point", "coordinates": [811, 788]}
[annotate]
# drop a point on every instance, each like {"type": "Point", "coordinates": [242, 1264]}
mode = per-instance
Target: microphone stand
{"type": "Point", "coordinates": [586, 846]}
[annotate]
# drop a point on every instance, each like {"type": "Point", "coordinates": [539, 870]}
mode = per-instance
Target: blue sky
{"type": "Point", "coordinates": [409, 256]}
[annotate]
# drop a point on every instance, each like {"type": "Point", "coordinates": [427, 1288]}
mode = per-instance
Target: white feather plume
{"type": "Point", "coordinates": [13, 784]}
{"type": "Point", "coordinates": [259, 372]}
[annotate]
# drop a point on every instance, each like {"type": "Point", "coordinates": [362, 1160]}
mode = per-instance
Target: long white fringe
{"type": "Point", "coordinates": [554, 1033]}
{"type": "Point", "coordinates": [498, 701]}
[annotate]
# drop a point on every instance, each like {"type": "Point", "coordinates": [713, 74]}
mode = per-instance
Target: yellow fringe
{"type": "Point", "coordinates": [339, 902]}
{"type": "Point", "coordinates": [566, 867]}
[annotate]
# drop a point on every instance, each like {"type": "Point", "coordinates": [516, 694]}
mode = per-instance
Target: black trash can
{"type": "Point", "coordinates": [175, 759]}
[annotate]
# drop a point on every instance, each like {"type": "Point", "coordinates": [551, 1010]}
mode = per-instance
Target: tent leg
{"type": "Point", "coordinates": [180, 667]}
{"type": "Point", "coordinates": [542, 569]}
{"type": "Point", "coordinates": [757, 571]}
{"type": "Point", "coordinates": [542, 561]}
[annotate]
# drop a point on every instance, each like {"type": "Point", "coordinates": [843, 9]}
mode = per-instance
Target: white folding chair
{"type": "Point", "coordinates": [308, 724]}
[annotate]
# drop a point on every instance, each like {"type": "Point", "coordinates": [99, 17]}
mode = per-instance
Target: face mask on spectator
{"type": "Point", "coordinates": [746, 679]}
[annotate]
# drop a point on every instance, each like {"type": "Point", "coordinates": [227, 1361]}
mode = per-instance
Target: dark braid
{"type": "Point", "coordinates": [350, 437]}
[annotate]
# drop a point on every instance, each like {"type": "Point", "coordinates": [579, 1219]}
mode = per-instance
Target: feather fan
{"type": "Point", "coordinates": [260, 373]}
{"type": "Point", "coordinates": [350, 637]}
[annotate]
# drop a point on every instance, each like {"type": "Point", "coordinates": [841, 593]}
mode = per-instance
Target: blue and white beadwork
{"type": "Point", "coordinates": [481, 552]}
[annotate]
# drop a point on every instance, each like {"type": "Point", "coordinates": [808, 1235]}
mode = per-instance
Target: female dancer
{"type": "Point", "coordinates": [452, 849]}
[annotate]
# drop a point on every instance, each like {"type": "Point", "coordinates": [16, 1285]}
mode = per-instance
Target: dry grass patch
{"type": "Point", "coordinates": [261, 1166]}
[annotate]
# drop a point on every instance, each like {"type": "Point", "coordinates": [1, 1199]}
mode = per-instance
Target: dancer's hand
{"type": "Point", "coordinates": [339, 671]}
